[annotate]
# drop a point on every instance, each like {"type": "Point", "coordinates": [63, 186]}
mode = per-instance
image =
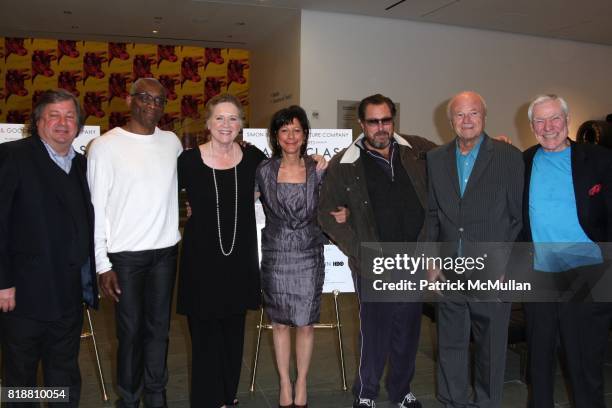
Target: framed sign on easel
{"type": "Point", "coordinates": [337, 280]}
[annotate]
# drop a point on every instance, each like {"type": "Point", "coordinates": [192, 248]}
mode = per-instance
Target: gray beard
{"type": "Point", "coordinates": [378, 145]}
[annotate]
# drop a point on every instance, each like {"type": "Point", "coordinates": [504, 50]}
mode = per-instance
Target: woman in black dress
{"type": "Point", "coordinates": [292, 263]}
{"type": "Point", "coordinates": [219, 271]}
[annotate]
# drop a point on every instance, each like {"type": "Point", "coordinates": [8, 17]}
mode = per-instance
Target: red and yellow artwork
{"type": "Point", "coordinates": [100, 74]}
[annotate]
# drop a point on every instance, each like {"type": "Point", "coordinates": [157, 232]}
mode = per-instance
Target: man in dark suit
{"type": "Point", "coordinates": [475, 190]}
{"type": "Point", "coordinates": [46, 248]}
{"type": "Point", "coordinates": [567, 208]}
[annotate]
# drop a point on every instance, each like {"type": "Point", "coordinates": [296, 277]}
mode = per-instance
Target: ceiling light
{"type": "Point", "coordinates": [155, 31]}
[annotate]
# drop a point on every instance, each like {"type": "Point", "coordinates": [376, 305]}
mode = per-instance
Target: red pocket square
{"type": "Point", "coordinates": [594, 190]}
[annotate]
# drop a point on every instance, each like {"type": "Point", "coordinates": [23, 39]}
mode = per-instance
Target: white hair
{"type": "Point", "coordinates": [546, 98]}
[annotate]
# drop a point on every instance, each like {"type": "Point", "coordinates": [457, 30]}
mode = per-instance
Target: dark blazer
{"type": "Point", "coordinates": [490, 209]}
{"type": "Point", "coordinates": [592, 177]}
{"type": "Point", "coordinates": [33, 233]}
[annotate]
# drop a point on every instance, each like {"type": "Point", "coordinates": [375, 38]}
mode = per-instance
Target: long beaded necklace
{"type": "Point", "coordinates": [235, 208]}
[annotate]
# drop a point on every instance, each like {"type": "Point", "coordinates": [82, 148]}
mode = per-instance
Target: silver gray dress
{"type": "Point", "coordinates": [292, 265]}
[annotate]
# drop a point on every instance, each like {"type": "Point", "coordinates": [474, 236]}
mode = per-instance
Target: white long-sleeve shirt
{"type": "Point", "coordinates": [134, 191]}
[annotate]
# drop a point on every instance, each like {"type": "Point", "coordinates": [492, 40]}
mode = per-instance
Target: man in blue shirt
{"type": "Point", "coordinates": [567, 209]}
{"type": "Point", "coordinates": [475, 191]}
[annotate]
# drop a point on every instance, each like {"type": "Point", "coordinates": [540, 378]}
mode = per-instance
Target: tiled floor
{"type": "Point", "coordinates": [324, 381]}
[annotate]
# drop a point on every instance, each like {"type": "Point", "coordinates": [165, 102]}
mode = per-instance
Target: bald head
{"type": "Point", "coordinates": [141, 83]}
{"type": "Point", "coordinates": [467, 112]}
{"type": "Point", "coordinates": [466, 95]}
{"type": "Point", "coordinates": [146, 100]}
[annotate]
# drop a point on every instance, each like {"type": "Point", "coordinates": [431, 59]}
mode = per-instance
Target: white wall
{"type": "Point", "coordinates": [275, 73]}
{"type": "Point", "coordinates": [422, 65]}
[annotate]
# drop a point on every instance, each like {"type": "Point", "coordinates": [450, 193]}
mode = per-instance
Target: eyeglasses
{"type": "Point", "coordinates": [147, 98]}
{"type": "Point", "coordinates": [378, 122]}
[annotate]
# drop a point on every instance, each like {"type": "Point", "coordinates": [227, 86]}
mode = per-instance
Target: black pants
{"type": "Point", "coordinates": [216, 359]}
{"type": "Point", "coordinates": [142, 316]}
{"type": "Point", "coordinates": [596, 328]}
{"type": "Point", "coordinates": [546, 324]}
{"type": "Point", "coordinates": [387, 331]}
{"type": "Point", "coordinates": [26, 342]}
{"type": "Point", "coordinates": [582, 329]}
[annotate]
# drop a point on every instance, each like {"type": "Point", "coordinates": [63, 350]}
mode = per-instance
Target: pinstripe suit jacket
{"type": "Point", "coordinates": [491, 207]}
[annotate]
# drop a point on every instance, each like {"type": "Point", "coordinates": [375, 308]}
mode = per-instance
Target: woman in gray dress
{"type": "Point", "coordinates": [292, 264]}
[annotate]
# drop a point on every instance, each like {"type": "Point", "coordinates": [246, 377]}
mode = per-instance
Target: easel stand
{"type": "Point", "coordinates": [91, 334]}
{"type": "Point", "coordinates": [337, 325]}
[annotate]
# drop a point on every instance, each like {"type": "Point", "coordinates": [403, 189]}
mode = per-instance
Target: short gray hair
{"type": "Point", "coordinates": [136, 84]}
{"type": "Point", "coordinates": [545, 98]}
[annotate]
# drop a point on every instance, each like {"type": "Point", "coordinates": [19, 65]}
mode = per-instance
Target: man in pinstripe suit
{"type": "Point", "coordinates": [475, 195]}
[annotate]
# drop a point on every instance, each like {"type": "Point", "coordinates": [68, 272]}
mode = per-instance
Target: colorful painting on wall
{"type": "Point", "coordinates": [100, 75]}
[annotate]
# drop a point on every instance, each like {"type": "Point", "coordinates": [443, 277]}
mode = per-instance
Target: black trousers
{"type": "Point", "coordinates": [579, 327]}
{"type": "Point", "coordinates": [596, 328]}
{"type": "Point", "coordinates": [26, 342]}
{"type": "Point", "coordinates": [142, 317]}
{"type": "Point", "coordinates": [388, 331]}
{"type": "Point", "coordinates": [216, 359]}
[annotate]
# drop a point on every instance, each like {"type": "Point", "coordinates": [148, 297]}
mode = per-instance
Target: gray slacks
{"type": "Point", "coordinates": [488, 324]}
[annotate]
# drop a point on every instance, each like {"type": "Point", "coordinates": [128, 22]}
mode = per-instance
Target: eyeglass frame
{"type": "Point", "coordinates": [147, 98]}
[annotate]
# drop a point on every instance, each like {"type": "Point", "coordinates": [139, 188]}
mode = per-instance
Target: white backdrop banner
{"type": "Point", "coordinates": [326, 142]}
{"type": "Point", "coordinates": [12, 131]}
